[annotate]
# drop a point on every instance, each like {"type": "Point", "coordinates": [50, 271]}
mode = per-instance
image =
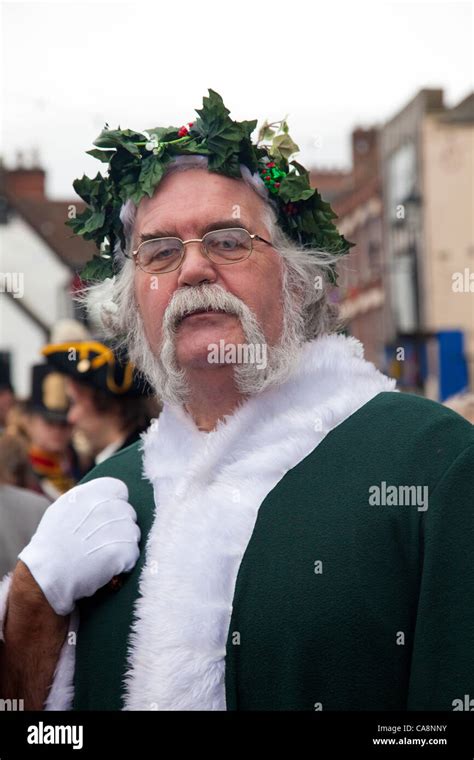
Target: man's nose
{"type": "Point", "coordinates": [196, 266]}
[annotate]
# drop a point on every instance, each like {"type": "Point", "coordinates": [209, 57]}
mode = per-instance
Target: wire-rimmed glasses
{"type": "Point", "coordinates": [165, 254]}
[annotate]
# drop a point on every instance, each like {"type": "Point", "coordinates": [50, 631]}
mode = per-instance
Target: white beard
{"type": "Point", "coordinates": [169, 380]}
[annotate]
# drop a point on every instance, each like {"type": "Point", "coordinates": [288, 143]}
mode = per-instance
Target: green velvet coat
{"type": "Point", "coordinates": [340, 603]}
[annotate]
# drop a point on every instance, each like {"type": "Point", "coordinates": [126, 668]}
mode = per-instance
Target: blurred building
{"type": "Point", "coordinates": [407, 288]}
{"type": "Point", "coordinates": [39, 261]}
{"type": "Point", "coordinates": [356, 197]}
{"type": "Point", "coordinates": [427, 155]}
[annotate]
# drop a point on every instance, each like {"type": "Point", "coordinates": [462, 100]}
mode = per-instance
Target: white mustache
{"type": "Point", "coordinates": [203, 297]}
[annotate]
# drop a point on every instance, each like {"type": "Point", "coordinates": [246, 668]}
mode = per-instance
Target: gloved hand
{"type": "Point", "coordinates": [85, 537]}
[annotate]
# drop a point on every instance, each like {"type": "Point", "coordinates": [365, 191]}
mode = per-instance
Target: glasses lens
{"type": "Point", "coordinates": [160, 255]}
{"type": "Point", "coordinates": [228, 245]}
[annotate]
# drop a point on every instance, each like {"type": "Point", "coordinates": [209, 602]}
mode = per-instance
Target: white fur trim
{"type": "Point", "coordinates": [61, 694]}
{"type": "Point", "coordinates": [5, 584]}
{"type": "Point", "coordinates": [208, 488]}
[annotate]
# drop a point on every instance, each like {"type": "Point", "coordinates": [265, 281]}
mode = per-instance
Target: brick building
{"type": "Point", "coordinates": [356, 197]}
{"type": "Point", "coordinates": [39, 261]}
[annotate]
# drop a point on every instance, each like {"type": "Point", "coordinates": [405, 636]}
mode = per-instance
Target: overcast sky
{"type": "Point", "coordinates": [68, 67]}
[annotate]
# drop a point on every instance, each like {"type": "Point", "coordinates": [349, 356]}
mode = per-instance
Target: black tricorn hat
{"type": "Point", "coordinates": [95, 364]}
{"type": "Point", "coordinates": [5, 378]}
{"type": "Point", "coordinates": [48, 394]}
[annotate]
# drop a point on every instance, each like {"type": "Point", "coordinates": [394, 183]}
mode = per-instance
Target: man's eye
{"type": "Point", "coordinates": [226, 244]}
{"type": "Point", "coordinates": [165, 254]}
{"type": "Point", "coordinates": [230, 243]}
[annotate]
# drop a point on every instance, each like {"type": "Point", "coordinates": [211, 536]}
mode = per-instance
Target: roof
{"type": "Point", "coordinates": [48, 218]}
{"type": "Point", "coordinates": [462, 113]}
{"type": "Point", "coordinates": [347, 202]}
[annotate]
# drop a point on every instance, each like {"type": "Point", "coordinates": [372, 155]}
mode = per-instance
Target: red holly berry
{"type": "Point", "coordinates": [190, 123]}
{"type": "Point", "coordinates": [271, 165]}
{"type": "Point", "coordinates": [277, 184]}
{"type": "Point", "coordinates": [267, 177]}
{"type": "Point", "coordinates": [182, 132]}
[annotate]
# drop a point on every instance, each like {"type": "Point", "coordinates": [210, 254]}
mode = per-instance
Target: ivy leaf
{"type": "Point", "coordinates": [136, 195]}
{"type": "Point", "coordinates": [248, 127]}
{"type": "Point", "coordinates": [98, 268]}
{"type": "Point", "coordinates": [230, 167]}
{"type": "Point", "coordinates": [76, 223]}
{"type": "Point", "coordinates": [150, 175]}
{"type": "Point", "coordinates": [125, 138]}
{"type": "Point", "coordinates": [212, 106]}
{"type": "Point", "coordinates": [191, 147]}
{"type": "Point", "coordinates": [266, 132]}
{"type": "Point", "coordinates": [95, 221]}
{"type": "Point", "coordinates": [222, 135]}
{"type": "Point", "coordinates": [101, 155]}
{"type": "Point", "coordinates": [164, 134]}
{"type": "Point", "coordinates": [135, 171]}
{"type": "Point", "coordinates": [88, 188]}
{"type": "Point", "coordinates": [283, 147]}
{"type": "Point", "coordinates": [248, 155]}
{"type": "Point", "coordinates": [300, 168]}
{"type": "Point", "coordinates": [295, 188]}
{"type": "Point", "coordinates": [309, 222]}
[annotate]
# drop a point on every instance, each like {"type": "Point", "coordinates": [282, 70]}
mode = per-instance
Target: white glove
{"type": "Point", "coordinates": [85, 538]}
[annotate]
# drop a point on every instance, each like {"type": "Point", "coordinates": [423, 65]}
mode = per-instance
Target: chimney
{"type": "Point", "coordinates": [24, 183]}
{"type": "Point", "coordinates": [364, 153]}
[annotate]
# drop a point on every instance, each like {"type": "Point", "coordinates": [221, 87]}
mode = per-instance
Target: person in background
{"type": "Point", "coordinates": [71, 331]}
{"type": "Point", "coordinates": [16, 421]}
{"type": "Point", "coordinates": [51, 453]}
{"type": "Point", "coordinates": [20, 509]}
{"type": "Point", "coordinates": [7, 396]}
{"type": "Point", "coordinates": [108, 399]}
{"type": "Point", "coordinates": [463, 404]}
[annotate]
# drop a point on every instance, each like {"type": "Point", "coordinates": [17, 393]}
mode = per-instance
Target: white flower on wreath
{"type": "Point", "coordinates": [153, 144]}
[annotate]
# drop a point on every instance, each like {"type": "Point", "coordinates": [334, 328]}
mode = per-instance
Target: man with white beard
{"type": "Point", "coordinates": [233, 559]}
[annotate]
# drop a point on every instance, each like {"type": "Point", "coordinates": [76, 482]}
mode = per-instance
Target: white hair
{"type": "Point", "coordinates": [307, 310]}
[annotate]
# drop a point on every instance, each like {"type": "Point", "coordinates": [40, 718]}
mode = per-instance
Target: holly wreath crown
{"type": "Point", "coordinates": [137, 163]}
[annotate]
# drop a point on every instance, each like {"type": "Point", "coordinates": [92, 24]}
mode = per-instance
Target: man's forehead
{"type": "Point", "coordinates": [201, 227]}
{"type": "Point", "coordinates": [199, 204]}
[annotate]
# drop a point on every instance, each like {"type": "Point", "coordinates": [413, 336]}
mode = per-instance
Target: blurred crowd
{"type": "Point", "coordinates": [86, 402]}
